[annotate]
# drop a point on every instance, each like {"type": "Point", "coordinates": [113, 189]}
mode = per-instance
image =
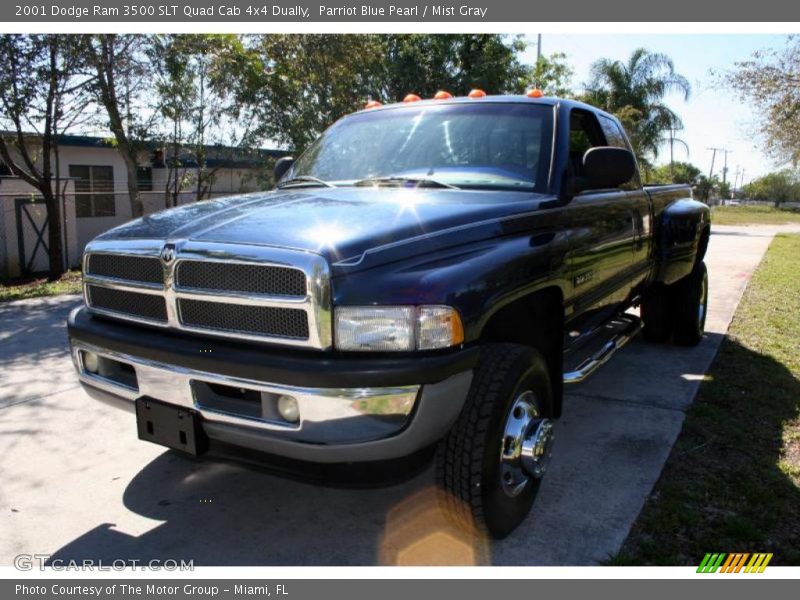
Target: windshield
{"type": "Point", "coordinates": [488, 145]}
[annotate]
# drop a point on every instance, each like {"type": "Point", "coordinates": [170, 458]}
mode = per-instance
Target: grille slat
{"type": "Point", "coordinates": [252, 320]}
{"type": "Point", "coordinates": [238, 277]}
{"type": "Point", "coordinates": [145, 306]}
{"type": "Point", "coordinates": [145, 269]}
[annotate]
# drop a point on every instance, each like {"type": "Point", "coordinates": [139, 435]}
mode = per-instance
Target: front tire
{"type": "Point", "coordinates": [489, 467]}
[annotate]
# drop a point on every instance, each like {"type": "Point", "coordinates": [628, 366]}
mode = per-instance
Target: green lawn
{"type": "Point", "coordinates": [752, 215]}
{"type": "Point", "coordinates": [70, 283]}
{"type": "Point", "coordinates": [732, 480]}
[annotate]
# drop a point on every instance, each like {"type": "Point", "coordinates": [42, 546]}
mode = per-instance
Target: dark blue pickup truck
{"type": "Point", "coordinates": [425, 278]}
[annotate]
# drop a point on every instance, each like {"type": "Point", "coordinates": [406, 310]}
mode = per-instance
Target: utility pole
{"type": "Point", "coordinates": [725, 167]}
{"type": "Point", "coordinates": [713, 158]}
{"type": "Point", "coordinates": [725, 151]}
{"type": "Point", "coordinates": [536, 82]}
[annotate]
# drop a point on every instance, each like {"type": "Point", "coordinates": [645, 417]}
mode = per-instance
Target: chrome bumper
{"type": "Point", "coordinates": [361, 424]}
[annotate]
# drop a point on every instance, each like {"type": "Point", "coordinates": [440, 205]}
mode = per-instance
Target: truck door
{"type": "Point", "coordinates": [638, 202]}
{"type": "Point", "coordinates": [604, 229]}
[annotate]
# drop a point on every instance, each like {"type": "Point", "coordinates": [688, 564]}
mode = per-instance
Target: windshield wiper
{"type": "Point", "coordinates": [396, 179]}
{"type": "Point", "coordinates": [304, 180]}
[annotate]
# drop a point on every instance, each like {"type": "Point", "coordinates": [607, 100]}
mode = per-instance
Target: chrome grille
{"type": "Point", "coordinates": [145, 306]}
{"type": "Point", "coordinates": [146, 269]}
{"type": "Point", "coordinates": [258, 320]}
{"type": "Point", "coordinates": [224, 290]}
{"type": "Point", "coordinates": [248, 278]}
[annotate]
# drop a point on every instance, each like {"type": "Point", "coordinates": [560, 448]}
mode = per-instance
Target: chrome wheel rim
{"type": "Point", "coordinates": [526, 445]}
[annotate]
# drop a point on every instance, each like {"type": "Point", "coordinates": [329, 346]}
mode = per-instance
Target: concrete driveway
{"type": "Point", "coordinates": [76, 483]}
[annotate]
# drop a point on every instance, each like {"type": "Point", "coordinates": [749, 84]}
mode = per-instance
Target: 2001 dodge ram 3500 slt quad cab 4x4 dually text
{"type": "Point", "coordinates": [427, 275]}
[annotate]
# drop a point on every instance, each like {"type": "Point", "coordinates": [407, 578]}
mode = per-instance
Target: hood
{"type": "Point", "coordinates": [341, 224]}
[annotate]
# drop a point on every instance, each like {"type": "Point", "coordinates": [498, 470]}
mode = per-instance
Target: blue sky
{"type": "Point", "coordinates": [713, 116]}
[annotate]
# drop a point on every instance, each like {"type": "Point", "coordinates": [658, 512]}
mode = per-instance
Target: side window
{"type": "Point", "coordinates": [615, 137]}
{"type": "Point", "coordinates": [144, 177]}
{"type": "Point", "coordinates": [94, 190]}
{"type": "Point", "coordinates": [584, 133]}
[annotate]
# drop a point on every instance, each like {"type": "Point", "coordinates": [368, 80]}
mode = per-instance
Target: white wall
{"type": "Point", "coordinates": [90, 227]}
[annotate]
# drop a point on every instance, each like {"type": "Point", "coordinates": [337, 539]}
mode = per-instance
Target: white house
{"type": "Point", "coordinates": [96, 197]}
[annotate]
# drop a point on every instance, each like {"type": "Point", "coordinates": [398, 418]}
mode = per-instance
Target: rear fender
{"type": "Point", "coordinates": [681, 236]}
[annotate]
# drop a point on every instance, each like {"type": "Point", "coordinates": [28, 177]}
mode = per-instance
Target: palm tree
{"type": "Point", "coordinates": [634, 90]}
{"type": "Point", "coordinates": [672, 139]}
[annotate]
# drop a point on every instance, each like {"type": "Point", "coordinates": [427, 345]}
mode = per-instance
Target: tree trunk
{"type": "Point", "coordinates": [132, 168]}
{"type": "Point", "coordinates": [55, 248]}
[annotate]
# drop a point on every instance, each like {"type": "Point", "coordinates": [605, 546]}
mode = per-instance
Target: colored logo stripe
{"type": "Point", "coordinates": [711, 563]}
{"type": "Point", "coordinates": [734, 562]}
{"type": "Point", "coordinates": [758, 563]}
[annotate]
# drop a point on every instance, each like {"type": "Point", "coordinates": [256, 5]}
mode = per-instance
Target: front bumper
{"type": "Point", "coordinates": [351, 409]}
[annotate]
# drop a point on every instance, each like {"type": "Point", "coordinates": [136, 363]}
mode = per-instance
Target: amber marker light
{"type": "Point", "coordinates": [442, 95]}
{"type": "Point", "coordinates": [373, 104]}
{"type": "Point", "coordinates": [477, 94]}
{"type": "Point", "coordinates": [412, 98]}
{"type": "Point", "coordinates": [535, 93]}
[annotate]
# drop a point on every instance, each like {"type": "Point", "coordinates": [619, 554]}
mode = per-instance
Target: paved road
{"type": "Point", "coordinates": [76, 483]}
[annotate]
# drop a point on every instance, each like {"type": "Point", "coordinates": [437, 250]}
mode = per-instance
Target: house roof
{"type": "Point", "coordinates": [218, 155]}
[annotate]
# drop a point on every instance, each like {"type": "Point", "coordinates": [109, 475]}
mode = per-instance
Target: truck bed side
{"type": "Point", "coordinates": [681, 226]}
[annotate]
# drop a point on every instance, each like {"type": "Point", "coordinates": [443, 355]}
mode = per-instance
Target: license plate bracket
{"type": "Point", "coordinates": [170, 425]}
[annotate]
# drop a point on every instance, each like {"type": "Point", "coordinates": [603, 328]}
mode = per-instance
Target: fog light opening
{"type": "Point", "coordinates": [91, 362]}
{"type": "Point", "coordinates": [289, 409]}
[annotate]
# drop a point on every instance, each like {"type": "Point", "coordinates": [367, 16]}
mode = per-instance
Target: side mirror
{"type": "Point", "coordinates": [281, 166]}
{"type": "Point", "coordinates": [607, 167]}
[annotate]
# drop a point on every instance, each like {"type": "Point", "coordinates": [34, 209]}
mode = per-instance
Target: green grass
{"type": "Point", "coordinates": [732, 480]}
{"type": "Point", "coordinates": [753, 215]}
{"type": "Point", "coordinates": [70, 283]}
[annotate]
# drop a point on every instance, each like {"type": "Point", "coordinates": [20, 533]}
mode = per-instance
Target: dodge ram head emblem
{"type": "Point", "coordinates": [168, 253]}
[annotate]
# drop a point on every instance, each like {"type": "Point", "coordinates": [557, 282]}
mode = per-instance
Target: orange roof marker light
{"type": "Point", "coordinates": [373, 104]}
{"type": "Point", "coordinates": [442, 95]}
{"type": "Point", "coordinates": [412, 98]}
{"type": "Point", "coordinates": [477, 94]}
{"type": "Point", "coordinates": [535, 93]}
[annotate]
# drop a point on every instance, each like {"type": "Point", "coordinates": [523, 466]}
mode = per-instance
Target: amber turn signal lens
{"type": "Point", "coordinates": [438, 327]}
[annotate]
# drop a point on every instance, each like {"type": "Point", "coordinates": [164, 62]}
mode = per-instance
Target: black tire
{"type": "Point", "coordinates": [468, 461]}
{"type": "Point", "coordinates": [657, 315]}
{"type": "Point", "coordinates": [690, 298]}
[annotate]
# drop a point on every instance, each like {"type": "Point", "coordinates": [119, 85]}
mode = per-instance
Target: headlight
{"type": "Point", "coordinates": [397, 328]}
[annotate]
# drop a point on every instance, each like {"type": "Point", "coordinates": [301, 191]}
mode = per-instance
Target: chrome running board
{"type": "Point", "coordinates": [630, 326]}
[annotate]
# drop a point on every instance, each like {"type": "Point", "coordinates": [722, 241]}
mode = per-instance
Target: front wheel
{"type": "Point", "coordinates": [490, 465]}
